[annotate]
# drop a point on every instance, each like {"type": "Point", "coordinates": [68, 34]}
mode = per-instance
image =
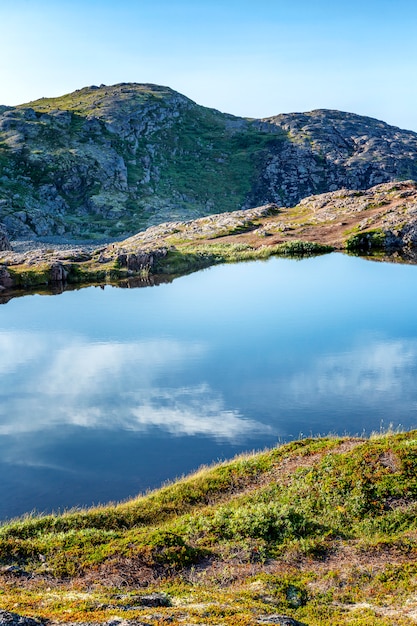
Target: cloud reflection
{"type": "Point", "coordinates": [16, 349]}
{"type": "Point", "coordinates": [117, 386]}
{"type": "Point", "coordinates": [366, 372]}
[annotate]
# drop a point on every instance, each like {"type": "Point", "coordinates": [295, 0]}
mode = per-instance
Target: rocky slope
{"type": "Point", "coordinates": [110, 161]}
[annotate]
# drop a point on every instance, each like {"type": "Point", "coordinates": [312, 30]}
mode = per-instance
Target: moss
{"type": "Point", "coordinates": [195, 163]}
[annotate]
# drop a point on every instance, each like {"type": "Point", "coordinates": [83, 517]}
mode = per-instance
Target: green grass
{"type": "Point", "coordinates": [366, 240]}
{"type": "Point", "coordinates": [28, 276]}
{"type": "Point", "coordinates": [264, 533]}
{"type": "Point", "coordinates": [85, 101]}
{"type": "Point", "coordinates": [191, 257]}
{"type": "Point", "coordinates": [178, 261]}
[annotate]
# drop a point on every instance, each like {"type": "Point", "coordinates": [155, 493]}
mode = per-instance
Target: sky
{"type": "Point", "coordinates": [253, 58]}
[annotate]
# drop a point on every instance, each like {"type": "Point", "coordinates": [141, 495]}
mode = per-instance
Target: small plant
{"type": "Point", "coordinates": [168, 548]}
{"type": "Point", "coordinates": [366, 240]}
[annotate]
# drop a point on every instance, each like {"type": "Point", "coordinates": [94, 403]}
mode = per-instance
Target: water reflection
{"type": "Point", "coordinates": [367, 372]}
{"type": "Point", "coordinates": [111, 386]}
{"type": "Point", "coordinates": [108, 392]}
{"type": "Point", "coordinates": [55, 289]}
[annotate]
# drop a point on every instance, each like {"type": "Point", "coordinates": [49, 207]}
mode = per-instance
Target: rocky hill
{"type": "Point", "coordinates": [110, 161]}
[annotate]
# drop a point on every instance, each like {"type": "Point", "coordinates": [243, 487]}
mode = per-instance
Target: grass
{"type": "Point", "coordinates": [184, 258]}
{"type": "Point", "coordinates": [27, 276]}
{"type": "Point", "coordinates": [188, 258]}
{"type": "Point", "coordinates": [323, 530]}
{"type": "Point", "coordinates": [366, 240]}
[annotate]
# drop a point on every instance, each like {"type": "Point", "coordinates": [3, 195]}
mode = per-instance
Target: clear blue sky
{"type": "Point", "coordinates": [252, 58]}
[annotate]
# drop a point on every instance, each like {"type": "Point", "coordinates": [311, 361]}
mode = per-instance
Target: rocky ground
{"type": "Point", "coordinates": [14, 619]}
{"type": "Point", "coordinates": [380, 220]}
{"type": "Point", "coordinates": [330, 218]}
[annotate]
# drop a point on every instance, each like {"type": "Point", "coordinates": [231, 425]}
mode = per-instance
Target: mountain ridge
{"type": "Point", "coordinates": [109, 161]}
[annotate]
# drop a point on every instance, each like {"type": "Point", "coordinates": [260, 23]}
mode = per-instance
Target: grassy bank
{"type": "Point", "coordinates": [180, 259]}
{"type": "Point", "coordinates": [323, 530]}
{"type": "Point", "coordinates": [189, 258]}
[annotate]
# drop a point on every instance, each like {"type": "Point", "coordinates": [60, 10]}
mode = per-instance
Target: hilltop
{"type": "Point", "coordinates": [110, 161]}
{"type": "Point", "coordinates": [320, 532]}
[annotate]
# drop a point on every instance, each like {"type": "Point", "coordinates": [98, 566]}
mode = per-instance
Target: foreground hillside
{"type": "Point", "coordinates": [113, 160]}
{"type": "Point", "coordinates": [381, 220]}
{"type": "Point", "coordinates": [317, 532]}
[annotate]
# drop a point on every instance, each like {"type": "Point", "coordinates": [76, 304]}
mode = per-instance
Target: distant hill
{"type": "Point", "coordinates": [110, 161]}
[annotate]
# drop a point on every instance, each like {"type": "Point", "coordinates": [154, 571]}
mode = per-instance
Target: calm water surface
{"type": "Point", "coordinates": [106, 393]}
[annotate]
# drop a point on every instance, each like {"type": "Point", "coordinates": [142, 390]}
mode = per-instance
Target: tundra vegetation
{"type": "Point", "coordinates": [320, 530]}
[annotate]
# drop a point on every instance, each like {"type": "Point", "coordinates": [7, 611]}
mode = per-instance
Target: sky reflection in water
{"type": "Point", "coordinates": [107, 393]}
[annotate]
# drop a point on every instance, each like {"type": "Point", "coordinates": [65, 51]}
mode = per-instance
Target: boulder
{"type": "Point", "coordinates": [281, 620]}
{"type": "Point", "coordinates": [140, 260]}
{"type": "Point", "coordinates": [4, 239]}
{"type": "Point", "coordinates": [155, 600]}
{"type": "Point", "coordinates": [58, 273]}
{"type": "Point", "coordinates": [6, 280]}
{"type": "Point", "coordinates": [13, 619]}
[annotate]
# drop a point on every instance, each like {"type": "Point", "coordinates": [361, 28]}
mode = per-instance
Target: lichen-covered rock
{"type": "Point", "coordinates": [154, 600]}
{"type": "Point", "coordinates": [58, 273]}
{"type": "Point", "coordinates": [140, 260]}
{"type": "Point", "coordinates": [280, 620]}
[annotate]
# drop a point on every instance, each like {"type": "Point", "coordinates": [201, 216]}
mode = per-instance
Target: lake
{"type": "Point", "coordinates": [109, 392]}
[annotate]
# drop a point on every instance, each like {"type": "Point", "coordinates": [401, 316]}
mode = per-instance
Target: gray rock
{"type": "Point", "coordinates": [140, 260]}
{"type": "Point", "coordinates": [58, 273]}
{"type": "Point", "coordinates": [4, 239]}
{"type": "Point", "coordinates": [138, 155]}
{"type": "Point", "coordinates": [14, 570]}
{"type": "Point", "coordinates": [13, 619]}
{"type": "Point", "coordinates": [296, 597]}
{"type": "Point", "coordinates": [155, 600]}
{"type": "Point", "coordinates": [282, 620]}
{"type": "Point", "coordinates": [6, 280]}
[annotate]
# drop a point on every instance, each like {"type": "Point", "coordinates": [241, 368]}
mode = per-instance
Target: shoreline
{"type": "Point", "coordinates": [380, 221]}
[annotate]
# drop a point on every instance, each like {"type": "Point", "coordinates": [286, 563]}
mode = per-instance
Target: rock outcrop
{"type": "Point", "coordinates": [110, 161]}
{"type": "Point", "coordinates": [13, 619]}
{"type": "Point", "coordinates": [280, 620]}
{"type": "Point", "coordinates": [4, 239]}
